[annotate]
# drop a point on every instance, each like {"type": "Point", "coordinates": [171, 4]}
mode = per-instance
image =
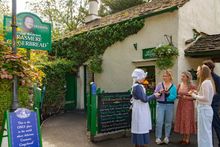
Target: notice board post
{"type": "Point", "coordinates": [93, 110]}
{"type": "Point", "coordinates": [21, 128]}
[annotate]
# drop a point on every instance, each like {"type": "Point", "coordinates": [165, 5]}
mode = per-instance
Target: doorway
{"type": "Point", "coordinates": [150, 78]}
{"type": "Point", "coordinates": [71, 93]}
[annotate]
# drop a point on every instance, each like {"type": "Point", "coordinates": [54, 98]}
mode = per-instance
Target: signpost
{"type": "Point", "coordinates": [21, 127]}
{"type": "Point", "coordinates": [32, 33]}
{"type": "Point", "coordinates": [14, 51]}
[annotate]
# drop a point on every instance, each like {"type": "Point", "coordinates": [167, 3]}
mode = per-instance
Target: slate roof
{"type": "Point", "coordinates": [207, 45]}
{"type": "Point", "coordinates": [146, 9]}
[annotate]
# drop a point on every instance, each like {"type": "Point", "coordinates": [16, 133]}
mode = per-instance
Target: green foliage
{"type": "Point", "coordinates": [11, 65]}
{"type": "Point", "coordinates": [38, 57]}
{"type": "Point", "coordinates": [166, 51]}
{"type": "Point", "coordinates": [65, 15]}
{"type": "Point", "coordinates": [16, 64]}
{"type": "Point", "coordinates": [91, 45]}
{"type": "Point", "coordinates": [6, 97]}
{"type": "Point", "coordinates": [103, 10]}
{"type": "Point", "coordinates": [94, 64]}
{"type": "Point", "coordinates": [165, 55]}
{"type": "Point", "coordinates": [55, 84]}
{"type": "Point", "coordinates": [119, 5]}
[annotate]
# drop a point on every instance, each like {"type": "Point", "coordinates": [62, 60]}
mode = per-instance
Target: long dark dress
{"type": "Point", "coordinates": [185, 115]}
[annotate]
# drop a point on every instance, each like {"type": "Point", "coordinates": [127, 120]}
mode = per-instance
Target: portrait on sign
{"type": "Point", "coordinates": [28, 24]}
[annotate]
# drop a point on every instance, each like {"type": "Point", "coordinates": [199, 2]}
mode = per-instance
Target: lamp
{"type": "Point", "coordinates": [135, 46]}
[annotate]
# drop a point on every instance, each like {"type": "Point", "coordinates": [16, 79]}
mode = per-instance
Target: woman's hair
{"type": "Point", "coordinates": [168, 72]}
{"type": "Point", "coordinates": [205, 73]}
{"type": "Point", "coordinates": [189, 78]}
{"type": "Point", "coordinates": [210, 64]}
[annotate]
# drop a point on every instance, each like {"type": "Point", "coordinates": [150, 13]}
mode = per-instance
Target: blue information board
{"type": "Point", "coordinates": [24, 128]}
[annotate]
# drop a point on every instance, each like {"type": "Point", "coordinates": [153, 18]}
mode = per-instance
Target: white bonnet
{"type": "Point", "coordinates": [138, 74]}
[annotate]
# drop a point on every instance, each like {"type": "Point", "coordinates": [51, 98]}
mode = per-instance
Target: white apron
{"type": "Point", "coordinates": [141, 117]}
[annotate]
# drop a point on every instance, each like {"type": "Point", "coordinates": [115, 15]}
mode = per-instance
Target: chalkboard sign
{"type": "Point", "coordinates": [113, 111]}
{"type": "Point", "coordinates": [24, 129]}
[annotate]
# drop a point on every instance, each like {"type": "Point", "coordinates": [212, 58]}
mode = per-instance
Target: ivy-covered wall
{"type": "Point", "coordinates": [90, 46]}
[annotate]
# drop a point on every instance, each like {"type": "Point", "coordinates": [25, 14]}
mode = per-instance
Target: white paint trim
{"type": "Point", "coordinates": [141, 61]}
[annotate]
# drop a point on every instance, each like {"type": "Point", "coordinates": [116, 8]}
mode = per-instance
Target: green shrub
{"type": "Point", "coordinates": [55, 84]}
{"type": "Point", "coordinates": [6, 97]}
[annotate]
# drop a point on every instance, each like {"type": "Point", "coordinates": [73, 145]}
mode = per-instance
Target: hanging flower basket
{"type": "Point", "coordinates": [165, 55]}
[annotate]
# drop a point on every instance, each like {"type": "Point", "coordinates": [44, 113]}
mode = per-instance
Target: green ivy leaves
{"type": "Point", "coordinates": [94, 64]}
{"type": "Point", "coordinates": [91, 45]}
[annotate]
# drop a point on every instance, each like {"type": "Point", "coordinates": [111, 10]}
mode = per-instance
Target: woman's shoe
{"type": "Point", "coordinates": [186, 142]}
{"type": "Point", "coordinates": [158, 141]}
{"type": "Point", "coordinates": [180, 142]}
{"type": "Point", "coordinates": [166, 140]}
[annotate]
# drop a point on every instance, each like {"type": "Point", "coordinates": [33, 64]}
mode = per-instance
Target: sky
{"type": "Point", "coordinates": [21, 5]}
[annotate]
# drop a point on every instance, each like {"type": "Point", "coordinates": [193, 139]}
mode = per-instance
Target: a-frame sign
{"type": "Point", "coordinates": [21, 128]}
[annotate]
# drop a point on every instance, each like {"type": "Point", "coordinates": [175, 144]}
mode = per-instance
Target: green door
{"type": "Point", "coordinates": [71, 93]}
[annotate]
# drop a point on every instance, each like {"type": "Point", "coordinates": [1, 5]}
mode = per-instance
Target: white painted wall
{"type": "Point", "coordinates": [217, 68]}
{"type": "Point", "coordinates": [120, 59]}
{"type": "Point", "coordinates": [80, 89]}
{"type": "Point", "coordinates": [117, 59]}
{"type": "Point", "coordinates": [202, 15]}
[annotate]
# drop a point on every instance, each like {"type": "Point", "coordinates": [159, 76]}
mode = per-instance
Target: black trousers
{"type": "Point", "coordinates": [216, 122]}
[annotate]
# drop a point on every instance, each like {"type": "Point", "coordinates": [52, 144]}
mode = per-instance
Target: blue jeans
{"type": "Point", "coordinates": [164, 111]}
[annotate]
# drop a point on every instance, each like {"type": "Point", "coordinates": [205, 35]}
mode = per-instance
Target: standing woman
{"type": "Point", "coordinates": [204, 99]}
{"type": "Point", "coordinates": [141, 117]}
{"type": "Point", "coordinates": [185, 120]}
{"type": "Point", "coordinates": [165, 107]}
{"type": "Point", "coordinates": [216, 99]}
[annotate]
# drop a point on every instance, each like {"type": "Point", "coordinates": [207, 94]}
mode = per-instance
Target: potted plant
{"type": "Point", "coordinates": [165, 55]}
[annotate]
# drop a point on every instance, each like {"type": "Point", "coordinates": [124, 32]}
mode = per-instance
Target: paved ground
{"type": "Point", "coordinates": [69, 130]}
